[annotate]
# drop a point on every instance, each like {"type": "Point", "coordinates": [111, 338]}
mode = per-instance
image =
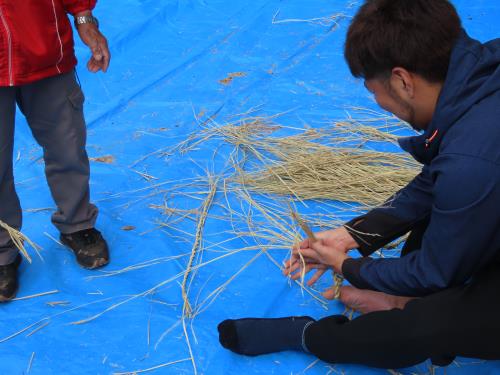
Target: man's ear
{"type": "Point", "coordinates": [403, 82]}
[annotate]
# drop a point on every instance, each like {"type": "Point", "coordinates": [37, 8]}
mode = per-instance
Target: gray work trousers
{"type": "Point", "coordinates": [53, 108]}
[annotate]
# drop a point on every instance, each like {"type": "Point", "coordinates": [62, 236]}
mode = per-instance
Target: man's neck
{"type": "Point", "coordinates": [426, 101]}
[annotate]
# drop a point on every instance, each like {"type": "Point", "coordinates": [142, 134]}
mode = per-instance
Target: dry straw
{"type": "Point", "coordinates": [366, 177]}
{"type": "Point", "coordinates": [325, 164]}
{"type": "Point", "coordinates": [19, 239]}
{"type": "Point", "coordinates": [265, 172]}
{"type": "Point", "coordinates": [334, 163]}
{"type": "Point", "coordinates": [330, 164]}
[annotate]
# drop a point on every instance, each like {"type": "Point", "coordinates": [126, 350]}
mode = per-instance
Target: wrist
{"type": "Point", "coordinates": [85, 13]}
{"type": "Point", "coordinates": [86, 18]}
{"type": "Point", "coordinates": [339, 262]}
{"type": "Point", "coordinates": [346, 240]}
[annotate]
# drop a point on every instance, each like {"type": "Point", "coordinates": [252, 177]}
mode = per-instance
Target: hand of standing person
{"type": "Point", "coordinates": [92, 37]}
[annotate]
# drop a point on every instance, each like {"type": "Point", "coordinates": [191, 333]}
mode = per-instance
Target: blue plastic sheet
{"type": "Point", "coordinates": [168, 60]}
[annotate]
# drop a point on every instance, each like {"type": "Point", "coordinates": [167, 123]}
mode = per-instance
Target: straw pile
{"type": "Point", "coordinates": [366, 177]}
{"type": "Point", "coordinates": [325, 164]}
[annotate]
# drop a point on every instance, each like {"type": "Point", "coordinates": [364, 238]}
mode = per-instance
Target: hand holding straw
{"type": "Point", "coordinates": [303, 225]}
{"type": "Point", "coordinates": [337, 279]}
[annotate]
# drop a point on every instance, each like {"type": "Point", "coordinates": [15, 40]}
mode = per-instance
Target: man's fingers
{"type": "Point", "coordinates": [316, 276]}
{"type": "Point", "coordinates": [92, 65]}
{"type": "Point", "coordinates": [309, 253]}
{"type": "Point", "coordinates": [291, 269]}
{"type": "Point", "coordinates": [305, 254]}
{"type": "Point", "coordinates": [300, 270]}
{"type": "Point", "coordinates": [329, 294]}
{"type": "Point", "coordinates": [297, 260]}
{"type": "Point", "coordinates": [106, 55]}
{"type": "Point", "coordinates": [93, 40]}
{"type": "Point", "coordinates": [319, 247]}
{"type": "Point", "coordinates": [305, 244]}
{"type": "Point", "coordinates": [293, 258]}
{"type": "Point", "coordinates": [106, 60]}
{"type": "Point", "coordinates": [290, 262]}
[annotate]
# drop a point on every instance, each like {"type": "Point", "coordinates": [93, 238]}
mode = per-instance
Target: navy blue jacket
{"type": "Point", "coordinates": [458, 189]}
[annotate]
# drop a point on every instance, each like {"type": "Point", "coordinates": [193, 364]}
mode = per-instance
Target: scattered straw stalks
{"type": "Point", "coordinates": [19, 239]}
{"type": "Point", "coordinates": [334, 163]}
{"type": "Point", "coordinates": [331, 21]}
{"type": "Point", "coordinates": [186, 307]}
{"type": "Point", "coordinates": [267, 169]}
{"type": "Point", "coordinates": [163, 365]}
{"type": "Point", "coordinates": [198, 238]}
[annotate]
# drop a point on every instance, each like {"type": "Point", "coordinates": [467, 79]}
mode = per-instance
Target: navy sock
{"type": "Point", "coordinates": [262, 336]}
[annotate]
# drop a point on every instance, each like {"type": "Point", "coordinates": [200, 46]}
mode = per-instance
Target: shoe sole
{"type": "Point", "coordinates": [4, 300]}
{"type": "Point", "coordinates": [8, 299]}
{"type": "Point", "coordinates": [98, 263]}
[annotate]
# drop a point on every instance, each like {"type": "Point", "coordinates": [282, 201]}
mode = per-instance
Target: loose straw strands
{"type": "Point", "coordinates": [36, 295]}
{"type": "Point", "coordinates": [127, 298]}
{"type": "Point", "coordinates": [152, 368]}
{"type": "Point", "coordinates": [327, 21]}
{"type": "Point", "coordinates": [18, 239]}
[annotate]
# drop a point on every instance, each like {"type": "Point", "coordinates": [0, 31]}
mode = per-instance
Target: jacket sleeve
{"type": "Point", "coordinates": [76, 6]}
{"type": "Point", "coordinates": [462, 237]}
{"type": "Point", "coordinates": [396, 217]}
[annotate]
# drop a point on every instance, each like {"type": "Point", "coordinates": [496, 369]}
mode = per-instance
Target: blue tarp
{"type": "Point", "coordinates": [168, 60]}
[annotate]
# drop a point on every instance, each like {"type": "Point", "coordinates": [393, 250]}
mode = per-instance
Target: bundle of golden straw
{"type": "Point", "coordinates": [329, 163]}
{"type": "Point", "coordinates": [346, 175]}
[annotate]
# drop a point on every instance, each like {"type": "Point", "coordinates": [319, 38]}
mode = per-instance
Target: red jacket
{"type": "Point", "coordinates": [36, 39]}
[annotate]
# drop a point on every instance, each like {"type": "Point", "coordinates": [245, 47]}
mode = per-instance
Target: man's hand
{"type": "Point", "coordinates": [295, 268]}
{"type": "Point", "coordinates": [92, 37]}
{"type": "Point", "coordinates": [329, 251]}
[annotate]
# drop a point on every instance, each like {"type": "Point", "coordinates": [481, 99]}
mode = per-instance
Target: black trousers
{"type": "Point", "coordinates": [462, 321]}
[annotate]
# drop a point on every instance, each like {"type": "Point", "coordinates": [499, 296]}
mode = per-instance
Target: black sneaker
{"type": "Point", "coordinates": [8, 280]}
{"type": "Point", "coordinates": [89, 246]}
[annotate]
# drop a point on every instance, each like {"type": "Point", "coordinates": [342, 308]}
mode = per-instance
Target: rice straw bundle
{"type": "Point", "coordinates": [329, 163]}
{"type": "Point", "coordinates": [346, 175]}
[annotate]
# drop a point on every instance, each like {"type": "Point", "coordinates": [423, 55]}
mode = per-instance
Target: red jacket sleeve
{"type": "Point", "coordinates": [76, 6]}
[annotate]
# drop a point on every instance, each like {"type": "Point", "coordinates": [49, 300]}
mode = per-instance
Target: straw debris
{"type": "Point", "coordinates": [19, 239]}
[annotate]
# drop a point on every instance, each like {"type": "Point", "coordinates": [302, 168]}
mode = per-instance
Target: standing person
{"type": "Point", "coordinates": [439, 299]}
{"type": "Point", "coordinates": [37, 62]}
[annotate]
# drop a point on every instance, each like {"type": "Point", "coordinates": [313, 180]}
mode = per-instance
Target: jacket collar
{"type": "Point", "coordinates": [451, 104]}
